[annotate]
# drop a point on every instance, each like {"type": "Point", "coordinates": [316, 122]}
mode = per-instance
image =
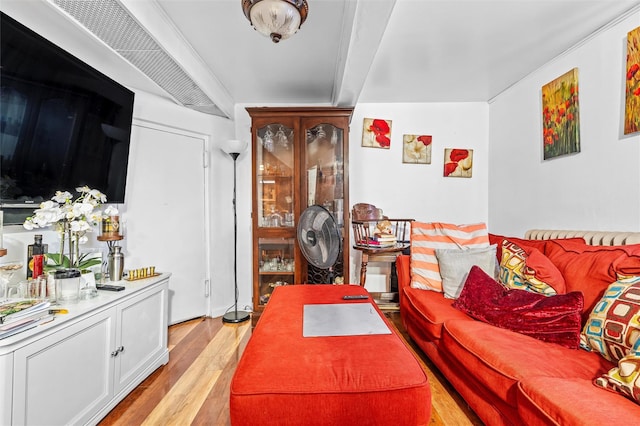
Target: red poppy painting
{"type": "Point", "coordinates": [376, 133]}
{"type": "Point", "coordinates": [458, 162]}
{"type": "Point", "coordinates": [560, 116]}
{"type": "Point", "coordinates": [416, 149]}
{"type": "Point", "coordinates": [632, 102]}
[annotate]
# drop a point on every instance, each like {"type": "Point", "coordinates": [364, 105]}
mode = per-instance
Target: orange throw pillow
{"type": "Point", "coordinates": [427, 237]}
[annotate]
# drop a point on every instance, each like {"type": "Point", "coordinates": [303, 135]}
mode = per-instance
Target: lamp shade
{"type": "Point", "coordinates": [278, 19]}
{"type": "Point", "coordinates": [233, 146]}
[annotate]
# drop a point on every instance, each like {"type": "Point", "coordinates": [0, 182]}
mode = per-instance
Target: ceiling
{"type": "Point", "coordinates": [351, 51]}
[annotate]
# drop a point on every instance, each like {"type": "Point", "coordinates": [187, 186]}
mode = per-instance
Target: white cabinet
{"type": "Point", "coordinates": [67, 376]}
{"type": "Point", "coordinates": [74, 371]}
{"type": "Point", "coordinates": [141, 336]}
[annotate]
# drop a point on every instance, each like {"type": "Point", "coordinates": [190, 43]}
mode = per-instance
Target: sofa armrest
{"type": "Point", "coordinates": [403, 271]}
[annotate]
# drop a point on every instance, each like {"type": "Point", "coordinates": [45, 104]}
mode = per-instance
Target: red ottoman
{"type": "Point", "coordinates": [284, 378]}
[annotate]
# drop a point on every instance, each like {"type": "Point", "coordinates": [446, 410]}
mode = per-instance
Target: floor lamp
{"type": "Point", "coordinates": [234, 148]}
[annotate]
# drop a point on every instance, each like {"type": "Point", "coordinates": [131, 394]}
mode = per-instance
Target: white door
{"type": "Point", "coordinates": [166, 215]}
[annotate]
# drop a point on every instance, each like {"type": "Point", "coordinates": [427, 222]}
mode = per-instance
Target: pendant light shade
{"type": "Point", "coordinates": [277, 19]}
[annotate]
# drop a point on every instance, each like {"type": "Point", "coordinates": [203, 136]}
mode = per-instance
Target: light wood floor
{"type": "Point", "coordinates": [193, 388]}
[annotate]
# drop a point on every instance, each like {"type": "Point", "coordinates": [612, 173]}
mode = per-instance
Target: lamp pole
{"type": "Point", "coordinates": [235, 316]}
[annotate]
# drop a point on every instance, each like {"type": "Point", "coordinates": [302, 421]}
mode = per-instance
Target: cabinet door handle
{"type": "Point", "coordinates": [117, 351]}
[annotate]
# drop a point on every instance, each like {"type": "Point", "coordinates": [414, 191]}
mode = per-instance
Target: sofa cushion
{"type": "Point", "coordinates": [427, 237]}
{"type": "Point", "coordinates": [529, 269]}
{"type": "Point", "coordinates": [623, 379]}
{"type": "Point", "coordinates": [537, 244]}
{"type": "Point", "coordinates": [431, 309]}
{"type": "Point", "coordinates": [613, 327]}
{"type": "Point", "coordinates": [590, 269]}
{"type": "Point", "coordinates": [455, 265]}
{"type": "Point", "coordinates": [571, 401]}
{"type": "Point", "coordinates": [553, 319]}
{"type": "Point", "coordinates": [499, 358]}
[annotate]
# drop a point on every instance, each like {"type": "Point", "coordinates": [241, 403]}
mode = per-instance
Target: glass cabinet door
{"type": "Point", "coordinates": [275, 162]}
{"type": "Point", "coordinates": [325, 169]}
{"type": "Point", "coordinates": [276, 266]}
{"type": "Point", "coordinates": [324, 166]}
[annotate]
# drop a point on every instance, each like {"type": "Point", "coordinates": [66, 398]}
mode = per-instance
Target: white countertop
{"type": "Point", "coordinates": [104, 300]}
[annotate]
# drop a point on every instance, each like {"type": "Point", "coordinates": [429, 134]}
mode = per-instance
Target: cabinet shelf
{"type": "Point", "coordinates": [276, 272]}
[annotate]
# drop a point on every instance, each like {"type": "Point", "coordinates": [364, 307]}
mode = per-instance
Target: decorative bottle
{"type": "Point", "coordinates": [116, 263]}
{"type": "Point", "coordinates": [34, 249]}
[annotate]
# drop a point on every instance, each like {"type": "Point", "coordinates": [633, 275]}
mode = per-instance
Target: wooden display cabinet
{"type": "Point", "coordinates": [300, 158]}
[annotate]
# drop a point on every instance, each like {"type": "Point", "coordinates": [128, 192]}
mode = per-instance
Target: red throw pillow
{"type": "Point", "coordinates": [554, 319]}
{"type": "Point", "coordinates": [592, 269]}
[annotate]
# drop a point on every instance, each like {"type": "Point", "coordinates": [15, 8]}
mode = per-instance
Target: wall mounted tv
{"type": "Point", "coordinates": [63, 124]}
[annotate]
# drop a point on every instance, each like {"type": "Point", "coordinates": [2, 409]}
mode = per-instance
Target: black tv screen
{"type": "Point", "coordinates": [63, 124]}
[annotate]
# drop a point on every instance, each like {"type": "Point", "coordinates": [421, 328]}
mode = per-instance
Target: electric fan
{"type": "Point", "coordinates": [319, 238]}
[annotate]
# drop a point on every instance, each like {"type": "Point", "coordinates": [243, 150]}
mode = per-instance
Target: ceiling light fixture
{"type": "Point", "coordinates": [277, 19]}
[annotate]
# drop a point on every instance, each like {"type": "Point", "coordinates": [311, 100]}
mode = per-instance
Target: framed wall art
{"type": "Point", "coordinates": [416, 149]}
{"type": "Point", "coordinates": [458, 162]}
{"type": "Point", "coordinates": [632, 98]}
{"type": "Point", "coordinates": [376, 133]}
{"type": "Point", "coordinates": [560, 116]}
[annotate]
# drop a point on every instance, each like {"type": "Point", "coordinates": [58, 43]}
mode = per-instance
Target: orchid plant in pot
{"type": "Point", "coordinates": [72, 218]}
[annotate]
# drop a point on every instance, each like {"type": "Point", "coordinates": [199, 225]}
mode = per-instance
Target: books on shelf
{"type": "Point", "coordinates": [20, 315]}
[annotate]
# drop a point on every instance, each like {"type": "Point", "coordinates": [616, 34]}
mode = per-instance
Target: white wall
{"type": "Point", "coordinates": [419, 191]}
{"type": "Point", "coordinates": [596, 189]}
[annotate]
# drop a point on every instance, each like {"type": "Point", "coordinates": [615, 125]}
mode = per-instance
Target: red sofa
{"type": "Point", "coordinates": [509, 378]}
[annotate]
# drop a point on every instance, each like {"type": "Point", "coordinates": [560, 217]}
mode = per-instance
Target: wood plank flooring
{"type": "Point", "coordinates": [193, 388]}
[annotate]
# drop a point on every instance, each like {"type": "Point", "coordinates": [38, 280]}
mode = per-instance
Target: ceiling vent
{"type": "Point", "coordinates": [113, 24]}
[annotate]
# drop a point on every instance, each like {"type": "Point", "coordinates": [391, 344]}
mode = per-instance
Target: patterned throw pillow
{"type": "Point", "coordinates": [531, 271]}
{"type": "Point", "coordinates": [623, 379]}
{"type": "Point", "coordinates": [427, 237]}
{"type": "Point", "coordinates": [613, 327]}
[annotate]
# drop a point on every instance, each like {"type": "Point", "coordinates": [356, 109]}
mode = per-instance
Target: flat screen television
{"type": "Point", "coordinates": [63, 124]}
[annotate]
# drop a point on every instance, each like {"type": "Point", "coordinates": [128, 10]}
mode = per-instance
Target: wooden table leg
{"type": "Point", "coordinates": [363, 269]}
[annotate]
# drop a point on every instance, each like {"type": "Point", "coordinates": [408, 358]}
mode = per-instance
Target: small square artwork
{"type": "Point", "coordinates": [416, 149]}
{"type": "Point", "coordinates": [458, 162]}
{"type": "Point", "coordinates": [376, 133]}
{"type": "Point", "coordinates": [560, 116]}
{"type": "Point", "coordinates": [632, 101]}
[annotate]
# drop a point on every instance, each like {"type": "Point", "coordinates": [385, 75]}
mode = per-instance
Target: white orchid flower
{"type": "Point", "coordinates": [111, 211]}
{"type": "Point", "coordinates": [98, 196]}
{"type": "Point", "coordinates": [62, 197]}
{"type": "Point", "coordinates": [79, 226]}
{"type": "Point", "coordinates": [46, 205]}
{"type": "Point", "coordinates": [74, 217]}
{"type": "Point", "coordinates": [82, 209]}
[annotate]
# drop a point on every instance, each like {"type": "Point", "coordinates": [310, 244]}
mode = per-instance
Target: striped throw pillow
{"type": "Point", "coordinates": [427, 237]}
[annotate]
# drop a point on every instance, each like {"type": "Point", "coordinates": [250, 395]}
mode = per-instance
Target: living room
{"type": "Point", "coordinates": [512, 188]}
{"type": "Point", "coordinates": [504, 132]}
